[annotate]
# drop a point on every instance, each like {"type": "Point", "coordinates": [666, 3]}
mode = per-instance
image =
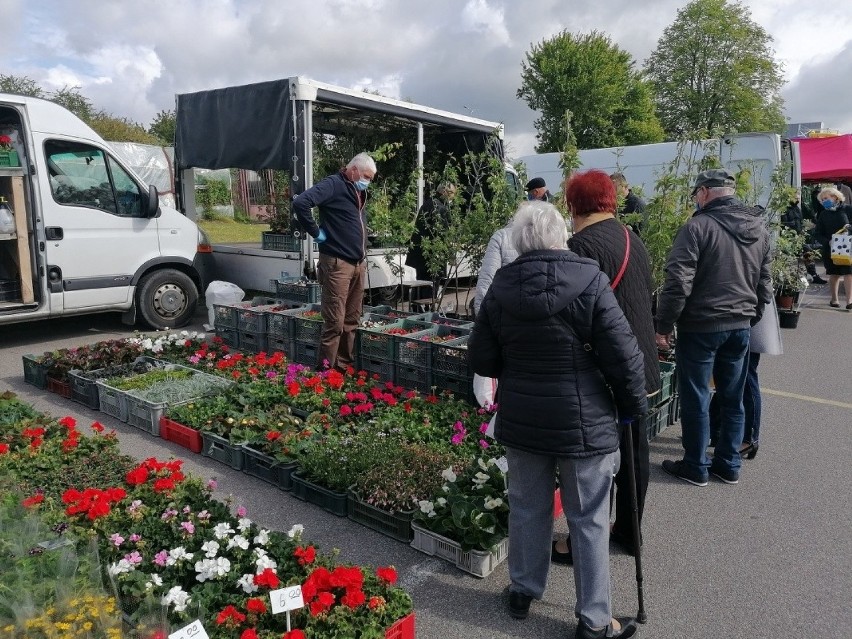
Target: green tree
{"type": "Point", "coordinates": [74, 101]}
{"type": "Point", "coordinates": [163, 127]}
{"type": "Point", "coordinates": [116, 129]}
{"type": "Point", "coordinates": [20, 85]}
{"type": "Point", "coordinates": [713, 70]}
{"type": "Point", "coordinates": [610, 101]}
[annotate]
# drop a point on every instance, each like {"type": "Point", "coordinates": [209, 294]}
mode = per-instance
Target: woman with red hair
{"type": "Point", "coordinates": [619, 252]}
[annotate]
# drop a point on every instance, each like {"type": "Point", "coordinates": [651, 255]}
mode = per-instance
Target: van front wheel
{"type": "Point", "coordinates": [166, 299]}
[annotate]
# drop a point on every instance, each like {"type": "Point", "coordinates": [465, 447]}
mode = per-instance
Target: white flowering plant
{"type": "Point", "coordinates": [472, 507]}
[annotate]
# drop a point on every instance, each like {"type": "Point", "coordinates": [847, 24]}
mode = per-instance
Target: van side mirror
{"type": "Point", "coordinates": [153, 204]}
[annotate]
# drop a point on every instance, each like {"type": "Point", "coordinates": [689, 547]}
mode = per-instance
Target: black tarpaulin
{"type": "Point", "coordinates": [245, 127]}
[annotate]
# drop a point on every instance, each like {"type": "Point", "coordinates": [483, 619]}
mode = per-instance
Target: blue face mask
{"type": "Point", "coordinates": [697, 207]}
{"type": "Point", "coordinates": [362, 184]}
{"type": "Point", "coordinates": [828, 205]}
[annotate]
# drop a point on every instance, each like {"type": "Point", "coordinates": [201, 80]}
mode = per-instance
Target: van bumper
{"type": "Point", "coordinates": [203, 264]}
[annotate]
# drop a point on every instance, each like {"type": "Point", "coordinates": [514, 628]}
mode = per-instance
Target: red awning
{"type": "Point", "coordinates": [826, 158]}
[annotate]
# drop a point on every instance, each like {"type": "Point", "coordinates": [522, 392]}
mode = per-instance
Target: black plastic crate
{"type": "Point", "coordinates": [305, 329]}
{"type": "Point", "coordinates": [380, 343]}
{"type": "Point", "coordinates": [273, 345]}
{"type": "Point", "coordinates": [442, 320]}
{"type": "Point", "coordinates": [253, 320]}
{"type": "Point", "coordinates": [387, 311]}
{"type": "Point", "coordinates": [416, 349]}
{"type": "Point", "coordinates": [297, 290]}
{"type": "Point", "coordinates": [304, 353]}
{"type": "Point", "coordinates": [657, 419]}
{"type": "Point", "coordinates": [83, 390]}
{"type": "Point", "coordinates": [450, 358]}
{"type": "Point", "coordinates": [230, 336]}
{"type": "Point", "coordinates": [279, 323]}
{"type": "Point", "coordinates": [35, 372]}
{"type": "Point", "coordinates": [461, 387]}
{"type": "Point", "coordinates": [270, 241]}
{"type": "Point", "coordinates": [385, 369]}
{"type": "Point", "coordinates": [252, 342]}
{"type": "Point", "coordinates": [414, 378]}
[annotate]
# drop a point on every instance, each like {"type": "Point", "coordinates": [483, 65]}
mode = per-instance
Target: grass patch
{"type": "Point", "coordinates": [226, 230]}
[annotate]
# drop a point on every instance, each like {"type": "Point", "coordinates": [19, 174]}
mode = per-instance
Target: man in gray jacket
{"type": "Point", "coordinates": [717, 284]}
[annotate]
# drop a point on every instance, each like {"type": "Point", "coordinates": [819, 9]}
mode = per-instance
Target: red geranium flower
{"type": "Point", "coordinates": [138, 475]}
{"type": "Point", "coordinates": [251, 633]}
{"type": "Point", "coordinates": [97, 427]}
{"type": "Point", "coordinates": [256, 605]}
{"type": "Point", "coordinates": [293, 634]}
{"type": "Point", "coordinates": [376, 602]}
{"type": "Point", "coordinates": [387, 574]}
{"type": "Point", "coordinates": [267, 578]}
{"type": "Point", "coordinates": [68, 422]}
{"type": "Point", "coordinates": [273, 435]}
{"type": "Point", "coordinates": [230, 615]}
{"type": "Point", "coordinates": [29, 502]}
{"type": "Point", "coordinates": [353, 598]}
{"type": "Point", "coordinates": [305, 555]}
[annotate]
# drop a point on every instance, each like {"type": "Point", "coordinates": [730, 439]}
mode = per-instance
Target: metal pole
{"type": "Point", "coordinates": [421, 181]}
{"type": "Point", "coordinates": [641, 616]}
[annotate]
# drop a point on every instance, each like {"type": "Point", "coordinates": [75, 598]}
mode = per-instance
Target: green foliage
{"type": "Point", "coordinates": [593, 78]}
{"type": "Point", "coordinates": [212, 193]}
{"type": "Point", "coordinates": [279, 207]}
{"type": "Point", "coordinates": [20, 85]}
{"type": "Point", "coordinates": [788, 252]}
{"type": "Point", "coordinates": [714, 68]}
{"type": "Point", "coordinates": [117, 129]}
{"type": "Point", "coordinates": [74, 101]}
{"type": "Point", "coordinates": [163, 127]}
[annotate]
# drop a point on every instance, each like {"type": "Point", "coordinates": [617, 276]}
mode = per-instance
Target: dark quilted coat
{"type": "Point", "coordinates": [605, 243]}
{"type": "Point", "coordinates": [552, 332]}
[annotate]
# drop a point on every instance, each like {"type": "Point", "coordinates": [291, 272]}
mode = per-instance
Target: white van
{"type": "Point", "coordinates": [89, 235]}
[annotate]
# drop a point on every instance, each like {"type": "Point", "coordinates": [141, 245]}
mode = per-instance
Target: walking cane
{"type": "Point", "coordinates": [641, 617]}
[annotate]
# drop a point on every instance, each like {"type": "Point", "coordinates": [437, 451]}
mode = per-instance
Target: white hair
{"type": "Point", "coordinates": [830, 190]}
{"type": "Point", "coordinates": [720, 191]}
{"type": "Point", "coordinates": [537, 226]}
{"type": "Point", "coordinates": [362, 161]}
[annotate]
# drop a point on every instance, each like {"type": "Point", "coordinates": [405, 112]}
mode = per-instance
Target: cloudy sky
{"type": "Point", "coordinates": [131, 57]}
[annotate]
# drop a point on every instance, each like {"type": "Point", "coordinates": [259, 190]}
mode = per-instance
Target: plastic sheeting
{"type": "Point", "coordinates": [154, 164]}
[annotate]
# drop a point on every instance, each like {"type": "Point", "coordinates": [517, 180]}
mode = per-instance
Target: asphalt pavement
{"type": "Point", "coordinates": [769, 557]}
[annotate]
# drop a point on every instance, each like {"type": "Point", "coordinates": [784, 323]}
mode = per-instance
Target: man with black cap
{"type": "Point", "coordinates": [717, 284]}
{"type": "Point", "coordinates": [537, 190]}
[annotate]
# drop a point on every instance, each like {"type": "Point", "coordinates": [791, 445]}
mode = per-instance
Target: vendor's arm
{"type": "Point", "coordinates": [317, 195]}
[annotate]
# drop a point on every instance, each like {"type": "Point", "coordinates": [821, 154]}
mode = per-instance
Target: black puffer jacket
{"type": "Point", "coordinates": [552, 332]}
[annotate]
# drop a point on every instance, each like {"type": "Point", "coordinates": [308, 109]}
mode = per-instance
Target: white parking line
{"type": "Point", "coordinates": [806, 398]}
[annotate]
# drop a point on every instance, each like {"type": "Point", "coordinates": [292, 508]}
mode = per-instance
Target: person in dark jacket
{"type": "Point", "coordinates": [835, 216]}
{"type": "Point", "coordinates": [633, 204]}
{"type": "Point", "coordinates": [793, 219]}
{"type": "Point", "coordinates": [537, 190]}
{"type": "Point", "coordinates": [431, 222]}
{"type": "Point", "coordinates": [591, 199]}
{"type": "Point", "coordinates": [342, 238]}
{"type": "Point", "coordinates": [568, 365]}
{"type": "Point", "coordinates": [717, 285]}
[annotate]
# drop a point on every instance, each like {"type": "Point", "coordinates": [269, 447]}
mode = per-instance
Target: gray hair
{"type": "Point", "coordinates": [538, 226]}
{"type": "Point", "coordinates": [362, 161]}
{"type": "Point", "coordinates": [830, 190]}
{"type": "Point", "coordinates": [720, 191]}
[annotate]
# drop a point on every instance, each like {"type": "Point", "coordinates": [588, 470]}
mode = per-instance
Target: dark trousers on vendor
{"type": "Point", "coordinates": [342, 283]}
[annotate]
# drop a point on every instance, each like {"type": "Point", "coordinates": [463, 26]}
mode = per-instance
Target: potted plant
{"type": "Point", "coordinates": [788, 269]}
{"type": "Point", "coordinates": [278, 214]}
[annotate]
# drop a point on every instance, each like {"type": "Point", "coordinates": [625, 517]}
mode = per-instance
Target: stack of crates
{"type": "Point", "coordinates": [279, 327]}
{"type": "Point", "coordinates": [307, 330]}
{"type": "Point", "coordinates": [254, 325]}
{"type": "Point", "coordinates": [376, 345]}
{"type": "Point", "coordinates": [295, 289]}
{"type": "Point", "coordinates": [414, 354]}
{"type": "Point", "coordinates": [225, 322]}
{"type": "Point", "coordinates": [666, 409]}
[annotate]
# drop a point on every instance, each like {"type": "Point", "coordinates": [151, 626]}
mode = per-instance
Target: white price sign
{"type": "Point", "coordinates": [285, 599]}
{"type": "Point", "coordinates": [502, 464]}
{"type": "Point", "coordinates": [193, 631]}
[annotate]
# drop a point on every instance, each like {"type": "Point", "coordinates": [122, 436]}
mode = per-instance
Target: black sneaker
{"type": "Point", "coordinates": [725, 474]}
{"type": "Point", "coordinates": [628, 629]}
{"type": "Point", "coordinates": [519, 604]}
{"type": "Point", "coordinates": [816, 279]}
{"type": "Point", "coordinates": [680, 470]}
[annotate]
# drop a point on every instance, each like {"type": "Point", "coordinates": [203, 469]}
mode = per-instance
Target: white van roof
{"type": "Point", "coordinates": [48, 117]}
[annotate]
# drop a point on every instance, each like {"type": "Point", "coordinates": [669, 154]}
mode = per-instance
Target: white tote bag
{"type": "Point", "coordinates": [841, 247]}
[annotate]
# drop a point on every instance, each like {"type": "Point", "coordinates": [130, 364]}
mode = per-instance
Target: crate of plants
{"type": "Point", "coordinates": [386, 311]}
{"type": "Point", "coordinates": [222, 450]}
{"type": "Point", "coordinates": [460, 386]}
{"type": "Point", "coordinates": [252, 342]}
{"type": "Point", "coordinates": [35, 371]}
{"type": "Point", "coordinates": [657, 419]}
{"type": "Point", "coordinates": [276, 345]}
{"type": "Point", "coordinates": [479, 563]}
{"type": "Point", "coordinates": [450, 358]}
{"type": "Point", "coordinates": [182, 423]}
{"type": "Point", "coordinates": [272, 455]}
{"type": "Point", "coordinates": [668, 380]}
{"type": "Point", "coordinates": [378, 341]}
{"type": "Point", "coordinates": [279, 320]}
{"type": "Point", "coordinates": [297, 289]}
{"type": "Point", "coordinates": [384, 368]}
{"type": "Point", "coordinates": [307, 324]}
{"type": "Point", "coordinates": [254, 319]}
{"type": "Point", "coordinates": [230, 337]}
{"type": "Point", "coordinates": [413, 378]}
{"type": "Point", "coordinates": [440, 319]}
{"type": "Point", "coordinates": [415, 349]}
{"type": "Point", "coordinates": [84, 388]}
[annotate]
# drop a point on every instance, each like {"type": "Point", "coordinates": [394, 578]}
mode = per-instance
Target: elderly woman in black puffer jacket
{"type": "Point", "coordinates": [569, 366]}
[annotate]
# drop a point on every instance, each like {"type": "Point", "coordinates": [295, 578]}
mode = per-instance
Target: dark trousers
{"type": "Point", "coordinates": [752, 405]}
{"type": "Point", "coordinates": [342, 300]}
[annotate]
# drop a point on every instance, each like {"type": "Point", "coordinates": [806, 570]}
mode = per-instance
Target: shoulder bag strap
{"type": "Point", "coordinates": [615, 282]}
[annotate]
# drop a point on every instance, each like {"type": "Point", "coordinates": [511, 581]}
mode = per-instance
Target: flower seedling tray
{"type": "Point", "coordinates": [83, 390]}
{"type": "Point", "coordinates": [35, 372]}
{"type": "Point", "coordinates": [402, 628]}
{"type": "Point", "coordinates": [450, 358]}
{"type": "Point", "coordinates": [293, 289]}
{"type": "Point", "coordinates": [387, 311]}
{"type": "Point", "coordinates": [260, 465]}
{"type": "Point", "coordinates": [416, 349]}
{"type": "Point", "coordinates": [279, 324]}
{"type": "Point", "coordinates": [334, 502]}
{"type": "Point", "coordinates": [253, 320]}
{"type": "Point", "coordinates": [222, 450]}
{"type": "Point", "coordinates": [112, 401]}
{"type": "Point", "coordinates": [442, 320]}
{"type": "Point", "coordinates": [385, 369]}
{"type": "Point", "coordinates": [308, 329]}
{"type": "Point", "coordinates": [225, 315]}
{"type": "Point", "coordinates": [61, 388]}
{"type": "Point", "coordinates": [252, 342]}
{"type": "Point", "coordinates": [395, 525]}
{"type": "Point", "coordinates": [477, 562]}
{"type": "Point", "coordinates": [181, 435]}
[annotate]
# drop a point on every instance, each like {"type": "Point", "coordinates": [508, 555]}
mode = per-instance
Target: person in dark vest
{"type": "Point", "coordinates": [591, 200]}
{"type": "Point", "coordinates": [537, 190]}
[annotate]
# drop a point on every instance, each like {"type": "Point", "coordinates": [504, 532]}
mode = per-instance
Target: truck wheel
{"type": "Point", "coordinates": [166, 299]}
{"type": "Point", "coordinates": [384, 294]}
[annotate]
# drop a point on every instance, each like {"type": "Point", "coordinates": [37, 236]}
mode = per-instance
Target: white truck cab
{"type": "Point", "coordinates": [90, 236]}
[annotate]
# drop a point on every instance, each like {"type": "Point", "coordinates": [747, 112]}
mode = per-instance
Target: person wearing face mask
{"type": "Point", "coordinates": [836, 215]}
{"type": "Point", "coordinates": [341, 234]}
{"type": "Point", "coordinates": [537, 190]}
{"type": "Point", "coordinates": [717, 286]}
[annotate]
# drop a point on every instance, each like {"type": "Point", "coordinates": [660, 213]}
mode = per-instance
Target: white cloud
{"type": "Point", "coordinates": [478, 16]}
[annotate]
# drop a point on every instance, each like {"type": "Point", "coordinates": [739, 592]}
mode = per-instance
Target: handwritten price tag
{"type": "Point", "coordinates": [285, 599]}
{"type": "Point", "coordinates": [502, 464]}
{"type": "Point", "coordinates": [193, 631]}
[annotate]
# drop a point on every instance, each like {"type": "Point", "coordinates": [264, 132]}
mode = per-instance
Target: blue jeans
{"type": "Point", "coordinates": [722, 355]}
{"type": "Point", "coordinates": [751, 405]}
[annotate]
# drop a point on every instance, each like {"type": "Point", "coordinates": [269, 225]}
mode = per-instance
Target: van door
{"type": "Point", "coordinates": [96, 232]}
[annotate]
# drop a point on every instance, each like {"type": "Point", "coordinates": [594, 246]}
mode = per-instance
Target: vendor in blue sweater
{"type": "Point", "coordinates": [342, 238]}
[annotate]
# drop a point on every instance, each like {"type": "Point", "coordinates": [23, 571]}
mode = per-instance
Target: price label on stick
{"type": "Point", "coordinates": [193, 631]}
{"type": "Point", "coordinates": [285, 599]}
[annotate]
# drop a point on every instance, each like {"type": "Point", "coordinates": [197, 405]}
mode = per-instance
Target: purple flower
{"type": "Point", "coordinates": [134, 557]}
{"type": "Point", "coordinates": [241, 511]}
{"type": "Point", "coordinates": [458, 426]}
{"type": "Point", "coordinates": [188, 527]}
{"type": "Point", "coordinates": [483, 427]}
{"type": "Point", "coordinates": [160, 557]}
{"type": "Point", "coordinates": [457, 439]}
{"type": "Point", "coordinates": [134, 537]}
{"type": "Point", "coordinates": [484, 443]}
{"type": "Point", "coordinates": [116, 539]}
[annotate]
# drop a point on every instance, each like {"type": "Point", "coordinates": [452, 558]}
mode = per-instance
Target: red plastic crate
{"type": "Point", "coordinates": [60, 388]}
{"type": "Point", "coordinates": [181, 435]}
{"type": "Point", "coordinates": [402, 628]}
